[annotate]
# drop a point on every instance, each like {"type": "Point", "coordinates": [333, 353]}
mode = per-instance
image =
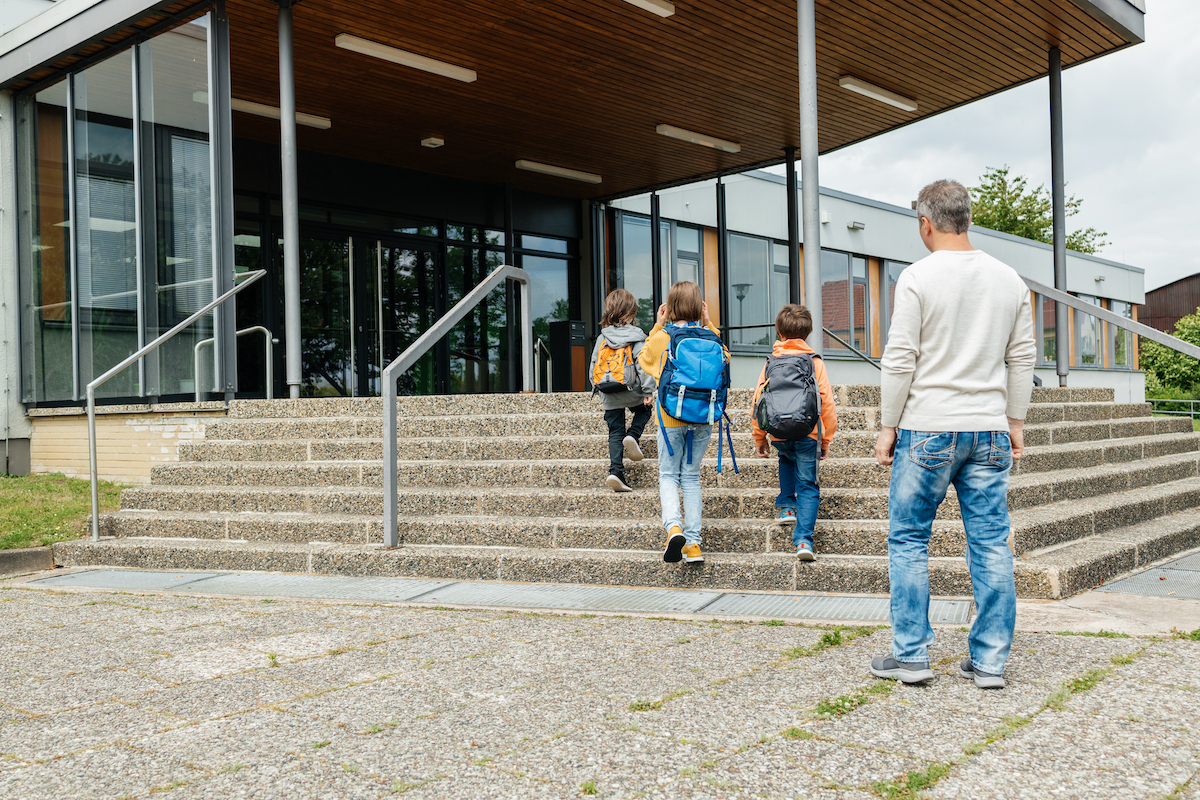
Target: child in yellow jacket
{"type": "Point", "coordinates": [684, 306]}
{"type": "Point", "coordinates": [799, 490]}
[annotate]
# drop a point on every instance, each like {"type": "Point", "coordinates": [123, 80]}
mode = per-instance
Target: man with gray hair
{"type": "Point", "coordinates": [951, 413]}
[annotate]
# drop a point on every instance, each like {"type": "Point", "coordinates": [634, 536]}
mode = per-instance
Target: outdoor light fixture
{"type": "Point", "coordinates": [404, 58]}
{"type": "Point", "coordinates": [877, 93]}
{"type": "Point", "coordinates": [558, 172]}
{"type": "Point", "coordinates": [856, 226]}
{"type": "Point", "coordinates": [699, 138]}
{"type": "Point", "coordinates": [433, 141]}
{"type": "Point", "coordinates": [270, 112]}
{"type": "Point", "coordinates": [660, 7]}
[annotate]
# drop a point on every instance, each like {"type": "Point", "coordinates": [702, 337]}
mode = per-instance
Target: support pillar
{"type": "Point", "coordinates": [793, 213]}
{"type": "Point", "coordinates": [510, 303]}
{"type": "Point", "coordinates": [220, 132]}
{"type": "Point", "coordinates": [723, 261]}
{"type": "Point", "coordinates": [1062, 333]}
{"type": "Point", "coordinates": [656, 253]}
{"type": "Point", "coordinates": [291, 202]}
{"type": "Point", "coordinates": [810, 186]}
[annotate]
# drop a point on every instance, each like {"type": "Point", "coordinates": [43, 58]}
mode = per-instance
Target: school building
{"type": "Point", "coordinates": [379, 160]}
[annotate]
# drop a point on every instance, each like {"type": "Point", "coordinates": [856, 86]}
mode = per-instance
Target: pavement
{"type": "Point", "coordinates": [111, 694]}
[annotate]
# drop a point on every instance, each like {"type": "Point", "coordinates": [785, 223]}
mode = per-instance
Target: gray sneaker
{"type": "Point", "coordinates": [903, 671]}
{"type": "Point", "coordinates": [984, 680]}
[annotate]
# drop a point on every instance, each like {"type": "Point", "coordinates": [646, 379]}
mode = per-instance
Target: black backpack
{"type": "Point", "coordinates": [789, 407]}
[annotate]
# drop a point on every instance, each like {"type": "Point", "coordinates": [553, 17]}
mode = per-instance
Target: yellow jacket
{"type": "Point", "coordinates": [791, 347]}
{"type": "Point", "coordinates": [651, 360]}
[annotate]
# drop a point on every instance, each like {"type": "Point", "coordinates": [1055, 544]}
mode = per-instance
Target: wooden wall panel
{"type": "Point", "coordinates": [874, 307]}
{"type": "Point", "coordinates": [712, 276]}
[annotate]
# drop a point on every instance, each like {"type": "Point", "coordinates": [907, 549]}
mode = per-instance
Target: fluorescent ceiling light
{"type": "Point", "coordinates": [660, 7]}
{"type": "Point", "coordinates": [558, 172]}
{"type": "Point", "coordinates": [270, 112]}
{"type": "Point", "coordinates": [877, 93]}
{"type": "Point", "coordinates": [404, 58]}
{"type": "Point", "coordinates": [699, 138]}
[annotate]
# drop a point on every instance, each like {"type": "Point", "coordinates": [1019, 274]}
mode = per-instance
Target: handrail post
{"type": "Point", "coordinates": [527, 334]}
{"type": "Point", "coordinates": [91, 411]}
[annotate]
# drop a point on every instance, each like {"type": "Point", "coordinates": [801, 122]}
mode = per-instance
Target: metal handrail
{"type": "Point", "coordinates": [1145, 331]}
{"type": "Point", "coordinates": [1191, 404]}
{"type": "Point", "coordinates": [827, 332]}
{"type": "Point", "coordinates": [269, 354]}
{"type": "Point", "coordinates": [247, 279]}
{"type": "Point", "coordinates": [409, 357]}
{"type": "Point", "coordinates": [537, 373]}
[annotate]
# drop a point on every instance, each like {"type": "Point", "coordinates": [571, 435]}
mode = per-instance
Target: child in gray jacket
{"type": "Point", "coordinates": [621, 383]}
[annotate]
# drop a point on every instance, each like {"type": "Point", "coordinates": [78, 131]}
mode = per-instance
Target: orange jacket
{"type": "Point", "coordinates": [788, 347]}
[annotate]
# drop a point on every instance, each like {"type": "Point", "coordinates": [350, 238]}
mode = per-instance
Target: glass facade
{"type": "Point", "coordinates": [844, 301]}
{"type": "Point", "coordinates": [116, 229]}
{"type": "Point", "coordinates": [1088, 341]}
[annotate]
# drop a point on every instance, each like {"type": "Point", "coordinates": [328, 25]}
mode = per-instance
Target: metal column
{"type": "Point", "coordinates": [793, 228]}
{"type": "Point", "coordinates": [655, 254]}
{"type": "Point", "coordinates": [1062, 334]}
{"type": "Point", "coordinates": [510, 298]}
{"type": "Point", "coordinates": [723, 261]}
{"type": "Point", "coordinates": [291, 202]}
{"type": "Point", "coordinates": [73, 238]}
{"type": "Point", "coordinates": [810, 186]}
{"type": "Point", "coordinates": [220, 132]}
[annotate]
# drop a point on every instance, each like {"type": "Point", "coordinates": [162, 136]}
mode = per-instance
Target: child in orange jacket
{"type": "Point", "coordinates": [799, 490]}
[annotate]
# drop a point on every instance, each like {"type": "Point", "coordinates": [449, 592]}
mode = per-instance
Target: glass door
{"type": "Point", "coordinates": [395, 301]}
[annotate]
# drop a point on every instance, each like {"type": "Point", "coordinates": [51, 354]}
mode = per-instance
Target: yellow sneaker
{"type": "Point", "coordinates": [673, 549]}
{"type": "Point", "coordinates": [692, 554]}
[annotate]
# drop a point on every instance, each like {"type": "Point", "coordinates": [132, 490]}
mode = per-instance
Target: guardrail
{"type": "Point", "coordinates": [247, 279]}
{"type": "Point", "coordinates": [826, 331]}
{"type": "Point", "coordinates": [539, 348]}
{"type": "Point", "coordinates": [1158, 406]}
{"type": "Point", "coordinates": [409, 357]}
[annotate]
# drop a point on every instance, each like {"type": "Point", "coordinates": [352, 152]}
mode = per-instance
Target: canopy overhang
{"type": "Point", "coordinates": [585, 85]}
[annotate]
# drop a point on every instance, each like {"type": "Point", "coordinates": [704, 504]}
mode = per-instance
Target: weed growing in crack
{"type": "Point", "coordinates": [798, 733]}
{"type": "Point", "coordinates": [840, 706]}
{"type": "Point", "coordinates": [911, 785]}
{"type": "Point", "coordinates": [588, 787]}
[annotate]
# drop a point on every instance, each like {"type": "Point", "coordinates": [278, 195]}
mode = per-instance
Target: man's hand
{"type": "Point", "coordinates": [662, 314]}
{"type": "Point", "coordinates": [885, 446]}
{"type": "Point", "coordinates": [763, 450]}
{"type": "Point", "coordinates": [1016, 434]}
{"type": "Point", "coordinates": [704, 320]}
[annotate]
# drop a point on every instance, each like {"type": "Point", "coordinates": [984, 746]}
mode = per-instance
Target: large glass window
{"type": "Point", "coordinates": [750, 272]}
{"type": "Point", "coordinates": [891, 274]}
{"type": "Point", "coordinates": [1088, 352]}
{"type": "Point", "coordinates": [106, 244]}
{"type": "Point", "coordinates": [46, 297]}
{"type": "Point", "coordinates": [1121, 340]}
{"type": "Point", "coordinates": [633, 269]}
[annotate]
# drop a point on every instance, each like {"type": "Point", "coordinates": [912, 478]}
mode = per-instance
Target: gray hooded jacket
{"type": "Point", "coordinates": [620, 336]}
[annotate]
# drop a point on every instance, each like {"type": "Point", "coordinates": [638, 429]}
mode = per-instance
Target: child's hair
{"type": "Point", "coordinates": [793, 322]}
{"type": "Point", "coordinates": [620, 308]}
{"type": "Point", "coordinates": [684, 303]}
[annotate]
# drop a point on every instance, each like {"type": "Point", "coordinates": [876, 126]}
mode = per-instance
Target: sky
{"type": "Point", "coordinates": [1131, 124]}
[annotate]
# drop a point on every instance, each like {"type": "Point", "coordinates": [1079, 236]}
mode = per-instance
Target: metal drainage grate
{"type": "Point", "coordinates": [1164, 581]}
{"type": "Point", "coordinates": [328, 586]}
{"type": "Point", "coordinates": [126, 580]}
{"type": "Point", "coordinates": [1191, 563]}
{"type": "Point", "coordinates": [598, 598]}
{"type": "Point", "coordinates": [826, 607]}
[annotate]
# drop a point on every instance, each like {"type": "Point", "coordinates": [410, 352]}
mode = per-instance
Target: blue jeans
{"type": "Point", "coordinates": [675, 473]}
{"type": "Point", "coordinates": [798, 487]}
{"type": "Point", "coordinates": [978, 464]}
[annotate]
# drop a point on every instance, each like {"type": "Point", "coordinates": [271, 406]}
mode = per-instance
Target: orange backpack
{"type": "Point", "coordinates": [614, 371]}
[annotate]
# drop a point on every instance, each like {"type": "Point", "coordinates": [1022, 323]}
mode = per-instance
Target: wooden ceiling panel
{"type": "Point", "coordinates": [583, 83]}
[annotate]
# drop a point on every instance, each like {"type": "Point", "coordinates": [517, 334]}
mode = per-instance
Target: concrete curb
{"type": "Point", "coordinates": [26, 559]}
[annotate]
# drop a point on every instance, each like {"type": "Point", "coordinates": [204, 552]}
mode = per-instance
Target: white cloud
{"type": "Point", "coordinates": [1131, 124]}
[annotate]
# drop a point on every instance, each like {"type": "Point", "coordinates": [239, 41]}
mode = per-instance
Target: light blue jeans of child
{"type": "Point", "coordinates": [978, 464]}
{"type": "Point", "coordinates": [676, 473]}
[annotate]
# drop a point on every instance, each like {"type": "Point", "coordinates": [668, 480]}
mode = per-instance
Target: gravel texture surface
{"type": "Point", "coordinates": [118, 695]}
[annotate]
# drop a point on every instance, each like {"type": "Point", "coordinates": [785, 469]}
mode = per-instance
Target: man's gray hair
{"type": "Point", "coordinates": [947, 205]}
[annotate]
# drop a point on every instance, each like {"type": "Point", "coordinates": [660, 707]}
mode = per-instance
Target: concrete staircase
{"type": "Point", "coordinates": [509, 487]}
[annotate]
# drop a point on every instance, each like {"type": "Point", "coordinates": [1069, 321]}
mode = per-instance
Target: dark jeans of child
{"type": "Point", "coordinates": [617, 432]}
{"type": "Point", "coordinates": [798, 487]}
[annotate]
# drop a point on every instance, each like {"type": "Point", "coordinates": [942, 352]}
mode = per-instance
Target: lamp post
{"type": "Point", "coordinates": [740, 290]}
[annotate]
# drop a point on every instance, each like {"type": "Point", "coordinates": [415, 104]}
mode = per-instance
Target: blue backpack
{"type": "Point", "coordinates": [694, 383]}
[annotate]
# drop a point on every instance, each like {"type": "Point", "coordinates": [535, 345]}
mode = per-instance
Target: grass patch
{"type": "Point", "coordinates": [834, 637]}
{"type": "Point", "coordinates": [272, 660]}
{"type": "Point", "coordinates": [1009, 726]}
{"type": "Point", "coordinates": [319, 745]}
{"type": "Point", "coordinates": [1121, 661]}
{"type": "Point", "coordinates": [773, 622]}
{"type": "Point", "coordinates": [911, 785]}
{"type": "Point", "coordinates": [840, 706]}
{"type": "Point", "coordinates": [1083, 683]}
{"type": "Point", "coordinates": [798, 733]}
{"type": "Point", "coordinates": [1178, 634]}
{"type": "Point", "coordinates": [1100, 634]}
{"type": "Point", "coordinates": [39, 510]}
{"type": "Point", "coordinates": [588, 787]}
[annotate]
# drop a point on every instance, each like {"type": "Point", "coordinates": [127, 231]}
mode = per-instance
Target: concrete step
{"type": "Point", "coordinates": [556, 403]}
{"type": "Point", "coordinates": [590, 472]}
{"type": "Point", "coordinates": [847, 443]}
{"type": "Point", "coordinates": [724, 571]}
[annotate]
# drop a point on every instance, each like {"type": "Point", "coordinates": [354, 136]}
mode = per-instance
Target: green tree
{"type": "Point", "coordinates": [1004, 202]}
{"type": "Point", "coordinates": [1176, 374]}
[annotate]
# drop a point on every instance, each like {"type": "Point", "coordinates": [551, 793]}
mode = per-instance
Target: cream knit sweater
{"type": "Point", "coordinates": [958, 317]}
